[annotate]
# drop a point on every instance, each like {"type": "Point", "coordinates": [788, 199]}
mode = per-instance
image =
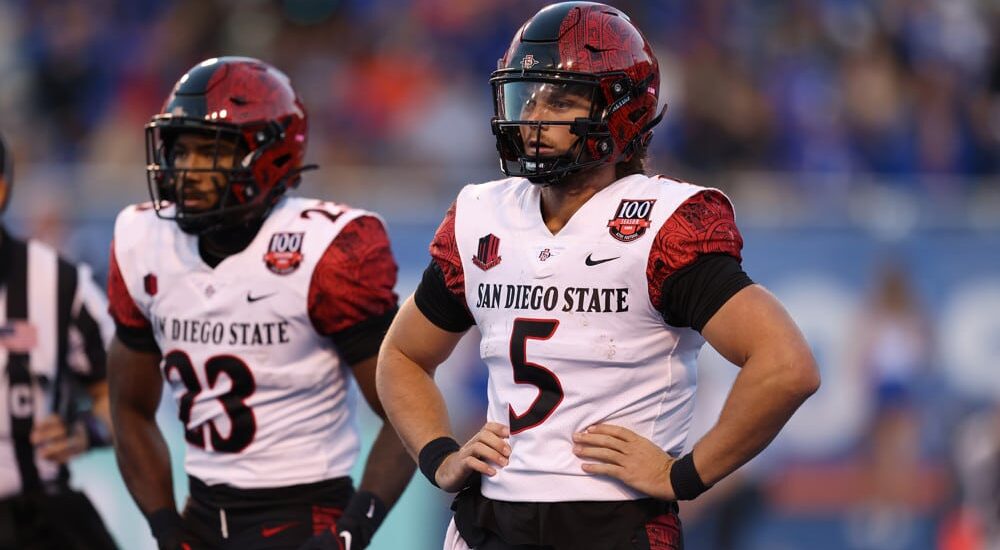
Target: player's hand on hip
{"type": "Point", "coordinates": [625, 455]}
{"type": "Point", "coordinates": [55, 442]}
{"type": "Point", "coordinates": [484, 453]}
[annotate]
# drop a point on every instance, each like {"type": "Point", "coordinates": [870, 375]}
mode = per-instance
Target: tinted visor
{"type": "Point", "coordinates": [544, 119]}
{"type": "Point", "coordinates": [550, 101]}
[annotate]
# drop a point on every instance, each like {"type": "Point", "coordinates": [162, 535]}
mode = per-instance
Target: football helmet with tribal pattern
{"type": "Point", "coordinates": [250, 107]}
{"type": "Point", "coordinates": [587, 50]}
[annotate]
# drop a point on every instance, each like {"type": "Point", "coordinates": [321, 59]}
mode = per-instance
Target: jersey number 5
{"type": "Point", "coordinates": [550, 392]}
{"type": "Point", "coordinates": [241, 420]}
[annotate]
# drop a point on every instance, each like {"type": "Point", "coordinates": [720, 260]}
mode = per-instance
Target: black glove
{"type": "Point", "coordinates": [355, 528]}
{"type": "Point", "coordinates": [166, 525]}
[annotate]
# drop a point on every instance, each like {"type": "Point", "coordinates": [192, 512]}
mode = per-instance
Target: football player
{"type": "Point", "coordinates": [594, 287]}
{"type": "Point", "coordinates": [255, 307]}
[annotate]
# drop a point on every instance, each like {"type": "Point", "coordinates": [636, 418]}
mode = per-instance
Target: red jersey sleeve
{"type": "Point", "coordinates": [444, 252]}
{"type": "Point", "coordinates": [354, 280]}
{"type": "Point", "coordinates": [704, 224]}
{"type": "Point", "coordinates": [120, 303]}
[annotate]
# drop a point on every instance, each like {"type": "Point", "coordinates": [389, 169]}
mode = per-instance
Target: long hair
{"type": "Point", "coordinates": [634, 165]}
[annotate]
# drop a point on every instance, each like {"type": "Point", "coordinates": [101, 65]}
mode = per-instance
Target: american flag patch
{"type": "Point", "coordinates": [18, 336]}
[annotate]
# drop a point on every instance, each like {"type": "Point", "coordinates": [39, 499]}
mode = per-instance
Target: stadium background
{"type": "Point", "coordinates": [860, 140]}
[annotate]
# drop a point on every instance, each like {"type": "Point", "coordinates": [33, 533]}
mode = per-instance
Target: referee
{"type": "Point", "coordinates": [54, 328]}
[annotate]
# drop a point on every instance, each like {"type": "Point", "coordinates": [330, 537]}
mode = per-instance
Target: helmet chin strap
{"type": "Point", "coordinates": [552, 174]}
{"type": "Point", "coordinates": [560, 176]}
{"type": "Point", "coordinates": [640, 140]}
{"type": "Point", "coordinates": [549, 167]}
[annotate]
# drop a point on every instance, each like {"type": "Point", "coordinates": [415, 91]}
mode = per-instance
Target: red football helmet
{"type": "Point", "coordinates": [585, 49]}
{"type": "Point", "coordinates": [251, 105]}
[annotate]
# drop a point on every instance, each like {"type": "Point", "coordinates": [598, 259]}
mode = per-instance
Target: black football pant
{"type": "Point", "coordinates": [221, 517]}
{"type": "Point", "coordinates": [644, 524]}
{"type": "Point", "coordinates": [62, 520]}
{"type": "Point", "coordinates": [643, 539]}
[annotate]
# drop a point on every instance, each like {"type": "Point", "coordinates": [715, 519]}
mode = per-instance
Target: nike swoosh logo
{"type": "Point", "coordinates": [268, 532]}
{"type": "Point", "coordinates": [346, 535]}
{"type": "Point", "coordinates": [591, 261]}
{"type": "Point", "coordinates": [251, 298]}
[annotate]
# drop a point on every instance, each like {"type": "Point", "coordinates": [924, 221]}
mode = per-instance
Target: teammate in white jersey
{"type": "Point", "coordinates": [594, 287]}
{"type": "Point", "coordinates": [255, 308]}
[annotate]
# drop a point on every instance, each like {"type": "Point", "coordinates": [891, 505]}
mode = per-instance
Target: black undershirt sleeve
{"type": "Point", "coordinates": [693, 294]}
{"type": "Point", "coordinates": [362, 340]}
{"type": "Point", "coordinates": [439, 304]}
{"type": "Point", "coordinates": [137, 339]}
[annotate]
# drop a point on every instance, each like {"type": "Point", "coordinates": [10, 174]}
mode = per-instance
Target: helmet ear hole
{"type": "Point", "coordinates": [282, 160]}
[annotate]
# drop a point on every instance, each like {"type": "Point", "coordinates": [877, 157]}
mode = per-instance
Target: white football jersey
{"type": "Point", "coordinates": [259, 385]}
{"type": "Point", "coordinates": [570, 332]}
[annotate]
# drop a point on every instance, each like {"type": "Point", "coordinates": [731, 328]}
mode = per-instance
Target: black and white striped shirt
{"type": "Point", "coordinates": [54, 331]}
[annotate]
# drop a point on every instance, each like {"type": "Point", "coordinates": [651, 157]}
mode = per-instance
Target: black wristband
{"type": "Point", "coordinates": [685, 480]}
{"type": "Point", "coordinates": [165, 523]}
{"type": "Point", "coordinates": [433, 454]}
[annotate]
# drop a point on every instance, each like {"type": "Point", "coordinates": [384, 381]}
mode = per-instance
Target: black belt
{"type": "Point", "coordinates": [223, 508]}
{"type": "Point", "coordinates": [583, 524]}
{"type": "Point", "coordinates": [337, 489]}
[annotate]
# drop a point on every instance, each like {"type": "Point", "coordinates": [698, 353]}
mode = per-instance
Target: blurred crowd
{"type": "Point", "coordinates": [893, 88]}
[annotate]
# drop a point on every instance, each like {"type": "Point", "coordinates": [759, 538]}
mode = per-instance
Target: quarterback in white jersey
{"type": "Point", "coordinates": [255, 308]}
{"type": "Point", "coordinates": [594, 287]}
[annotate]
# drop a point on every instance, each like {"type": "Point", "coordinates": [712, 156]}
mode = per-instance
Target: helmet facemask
{"type": "Point", "coordinates": [230, 170]}
{"type": "Point", "coordinates": [549, 125]}
{"type": "Point", "coordinates": [251, 129]}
